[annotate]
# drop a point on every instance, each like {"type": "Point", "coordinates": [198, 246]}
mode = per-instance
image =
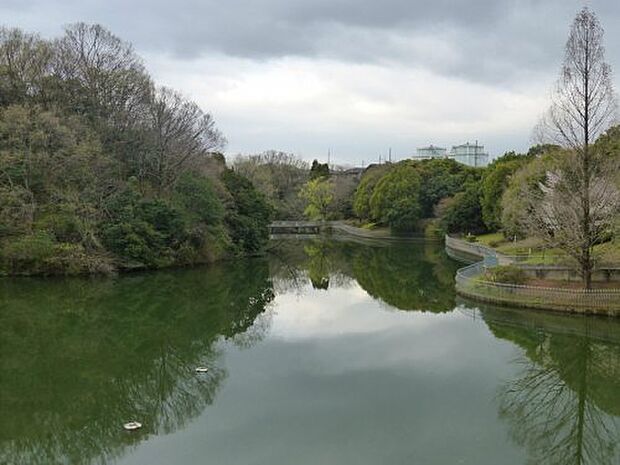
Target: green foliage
{"type": "Point", "coordinates": [101, 169]}
{"type": "Point", "coordinates": [442, 178]}
{"type": "Point", "coordinates": [62, 223]}
{"type": "Point", "coordinates": [506, 274]}
{"type": "Point", "coordinates": [318, 194]}
{"type": "Point", "coordinates": [406, 276]}
{"type": "Point", "coordinates": [147, 232]}
{"type": "Point", "coordinates": [73, 259]}
{"type": "Point", "coordinates": [431, 182]}
{"type": "Point", "coordinates": [28, 253]}
{"type": "Point", "coordinates": [608, 145]}
{"type": "Point", "coordinates": [361, 198]}
{"type": "Point", "coordinates": [462, 213]}
{"type": "Point", "coordinates": [248, 214]}
{"type": "Point", "coordinates": [198, 198]}
{"type": "Point", "coordinates": [319, 170]}
{"type": "Point", "coordinates": [129, 341]}
{"type": "Point", "coordinates": [541, 149]}
{"type": "Point", "coordinates": [16, 211]}
{"type": "Point", "coordinates": [471, 238]}
{"type": "Point", "coordinates": [514, 203]}
{"type": "Point", "coordinates": [494, 184]}
{"type": "Point", "coordinates": [395, 199]}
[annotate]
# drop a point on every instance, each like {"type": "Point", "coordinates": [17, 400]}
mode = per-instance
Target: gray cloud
{"type": "Point", "coordinates": [495, 49]}
{"type": "Point", "coordinates": [480, 40]}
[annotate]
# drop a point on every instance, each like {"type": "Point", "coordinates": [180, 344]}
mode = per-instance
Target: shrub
{"type": "Point", "coordinates": [144, 231]}
{"type": "Point", "coordinates": [197, 196]}
{"type": "Point", "coordinates": [249, 214]}
{"type": "Point", "coordinates": [506, 274]}
{"type": "Point", "coordinates": [16, 211]}
{"type": "Point", "coordinates": [73, 259]}
{"type": "Point", "coordinates": [471, 238]}
{"type": "Point", "coordinates": [63, 224]}
{"type": "Point", "coordinates": [28, 254]}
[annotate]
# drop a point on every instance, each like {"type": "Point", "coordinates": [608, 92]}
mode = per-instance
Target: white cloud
{"type": "Point", "coordinates": [354, 77]}
{"type": "Point", "coordinates": [308, 105]}
{"type": "Point", "coordinates": [322, 315]}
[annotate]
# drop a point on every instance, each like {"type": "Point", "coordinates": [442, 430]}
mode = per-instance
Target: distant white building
{"type": "Point", "coordinates": [470, 154]}
{"type": "Point", "coordinates": [432, 151]}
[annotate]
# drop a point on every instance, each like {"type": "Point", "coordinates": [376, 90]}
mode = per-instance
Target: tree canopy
{"type": "Point", "coordinates": [395, 198]}
{"type": "Point", "coordinates": [100, 169]}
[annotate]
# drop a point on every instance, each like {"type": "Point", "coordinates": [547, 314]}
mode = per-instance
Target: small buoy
{"type": "Point", "coordinates": [202, 370]}
{"type": "Point", "coordinates": [132, 426]}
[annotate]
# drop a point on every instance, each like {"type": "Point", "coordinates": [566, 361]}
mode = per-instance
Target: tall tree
{"type": "Point", "coordinates": [279, 176]}
{"type": "Point", "coordinates": [319, 170]}
{"type": "Point", "coordinates": [319, 195]}
{"type": "Point", "coordinates": [395, 200]}
{"type": "Point", "coordinates": [180, 133]}
{"type": "Point", "coordinates": [25, 61]}
{"type": "Point", "coordinates": [113, 83]}
{"type": "Point", "coordinates": [583, 107]}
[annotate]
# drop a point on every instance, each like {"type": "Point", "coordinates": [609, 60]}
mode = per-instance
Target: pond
{"type": "Point", "coordinates": [323, 352]}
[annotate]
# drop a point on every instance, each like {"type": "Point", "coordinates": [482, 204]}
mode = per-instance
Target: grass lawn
{"type": "Point", "coordinates": [610, 251]}
{"type": "Point", "coordinates": [527, 246]}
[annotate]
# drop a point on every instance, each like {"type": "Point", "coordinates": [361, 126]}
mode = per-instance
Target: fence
{"type": "Point", "coordinates": [470, 283]}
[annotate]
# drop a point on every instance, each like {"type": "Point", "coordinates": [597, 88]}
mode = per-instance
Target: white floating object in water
{"type": "Point", "coordinates": [132, 426]}
{"type": "Point", "coordinates": [202, 370]}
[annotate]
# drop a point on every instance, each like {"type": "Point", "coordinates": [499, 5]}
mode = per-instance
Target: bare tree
{"type": "Point", "coordinates": [557, 209]}
{"type": "Point", "coordinates": [180, 133]}
{"type": "Point", "coordinates": [25, 61]}
{"type": "Point", "coordinates": [583, 107]}
{"type": "Point", "coordinates": [106, 69]}
{"type": "Point", "coordinates": [279, 176]}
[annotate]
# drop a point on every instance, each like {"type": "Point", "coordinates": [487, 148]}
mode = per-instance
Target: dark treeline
{"type": "Point", "coordinates": [100, 169]}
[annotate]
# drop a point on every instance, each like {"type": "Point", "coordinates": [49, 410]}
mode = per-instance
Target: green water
{"type": "Point", "coordinates": [321, 353]}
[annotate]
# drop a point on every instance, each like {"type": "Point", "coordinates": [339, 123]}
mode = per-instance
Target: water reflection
{"type": "Point", "coordinates": [564, 404]}
{"type": "Point", "coordinates": [80, 357]}
{"type": "Point", "coordinates": [404, 275]}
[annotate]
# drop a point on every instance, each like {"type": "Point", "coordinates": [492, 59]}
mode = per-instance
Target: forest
{"type": "Point", "coordinates": [102, 170]}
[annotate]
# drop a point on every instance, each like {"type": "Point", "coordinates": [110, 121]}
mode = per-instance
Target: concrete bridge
{"type": "Point", "coordinates": [334, 227]}
{"type": "Point", "coordinates": [298, 227]}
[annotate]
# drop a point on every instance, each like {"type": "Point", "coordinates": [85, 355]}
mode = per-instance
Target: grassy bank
{"type": "Point", "coordinates": [534, 251]}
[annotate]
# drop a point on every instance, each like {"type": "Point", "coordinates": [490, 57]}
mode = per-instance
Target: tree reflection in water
{"type": "Point", "coordinates": [564, 406]}
{"type": "Point", "coordinates": [404, 275]}
{"type": "Point", "coordinates": [80, 357]}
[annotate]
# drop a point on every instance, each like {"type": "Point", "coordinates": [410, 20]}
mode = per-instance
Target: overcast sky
{"type": "Point", "coordinates": [353, 76]}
